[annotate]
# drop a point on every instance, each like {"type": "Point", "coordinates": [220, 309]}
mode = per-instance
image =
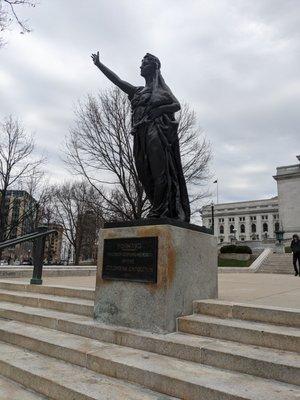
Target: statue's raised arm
{"type": "Point", "coordinates": [123, 85]}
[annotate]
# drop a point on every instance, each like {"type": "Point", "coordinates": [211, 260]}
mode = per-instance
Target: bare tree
{"type": "Point", "coordinates": [99, 148]}
{"type": "Point", "coordinates": [9, 13]}
{"type": "Point", "coordinates": [73, 204]}
{"type": "Point", "coordinates": [196, 156]}
{"type": "Point", "coordinates": [17, 167]}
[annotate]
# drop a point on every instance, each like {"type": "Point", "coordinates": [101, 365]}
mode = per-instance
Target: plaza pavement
{"type": "Point", "coordinates": [263, 289]}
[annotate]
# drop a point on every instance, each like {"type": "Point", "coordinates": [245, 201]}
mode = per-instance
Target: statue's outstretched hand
{"type": "Point", "coordinates": [96, 58]}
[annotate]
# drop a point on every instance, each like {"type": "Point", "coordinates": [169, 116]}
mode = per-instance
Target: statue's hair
{"type": "Point", "coordinates": [153, 59]}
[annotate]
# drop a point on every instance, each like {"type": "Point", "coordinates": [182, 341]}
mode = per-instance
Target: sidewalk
{"type": "Point", "coordinates": [264, 289]}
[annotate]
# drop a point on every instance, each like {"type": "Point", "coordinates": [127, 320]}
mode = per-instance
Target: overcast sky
{"type": "Point", "coordinates": [236, 63]}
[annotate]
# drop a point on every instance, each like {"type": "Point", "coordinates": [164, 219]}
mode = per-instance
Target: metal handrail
{"type": "Point", "coordinates": [25, 238]}
{"type": "Point", "coordinates": [38, 238]}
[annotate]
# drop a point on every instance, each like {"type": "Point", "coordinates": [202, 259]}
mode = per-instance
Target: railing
{"type": "Point", "coordinates": [38, 238]}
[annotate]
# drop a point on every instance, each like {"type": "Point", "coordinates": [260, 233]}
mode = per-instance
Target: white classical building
{"type": "Point", "coordinates": [258, 220]}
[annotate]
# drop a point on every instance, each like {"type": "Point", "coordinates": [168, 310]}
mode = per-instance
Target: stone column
{"type": "Point", "coordinates": [271, 226]}
{"type": "Point", "coordinates": [259, 226]}
{"type": "Point", "coordinates": [226, 229]}
{"type": "Point", "coordinates": [248, 227]}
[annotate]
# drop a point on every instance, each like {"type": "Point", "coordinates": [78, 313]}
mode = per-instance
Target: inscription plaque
{"type": "Point", "coordinates": [130, 259]}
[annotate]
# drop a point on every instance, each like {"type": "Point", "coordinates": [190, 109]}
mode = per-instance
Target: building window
{"type": "Point", "coordinates": [242, 239]}
{"type": "Point", "coordinates": [221, 240]}
{"type": "Point", "coordinates": [242, 218]}
{"type": "Point", "coordinates": [253, 228]}
{"type": "Point", "coordinates": [242, 228]}
{"type": "Point", "coordinates": [231, 228]}
{"type": "Point", "coordinates": [276, 226]}
{"type": "Point", "coordinates": [253, 218]}
{"type": "Point", "coordinates": [221, 229]}
{"type": "Point", "coordinates": [265, 227]}
{"type": "Point", "coordinates": [221, 219]}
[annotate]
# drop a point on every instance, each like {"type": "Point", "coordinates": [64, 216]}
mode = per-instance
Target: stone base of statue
{"type": "Point", "coordinates": [150, 271]}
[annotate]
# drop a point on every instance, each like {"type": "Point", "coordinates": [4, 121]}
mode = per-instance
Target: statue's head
{"type": "Point", "coordinates": [150, 64]}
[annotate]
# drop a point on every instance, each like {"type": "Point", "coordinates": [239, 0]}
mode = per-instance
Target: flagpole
{"type": "Point", "coordinates": [216, 181]}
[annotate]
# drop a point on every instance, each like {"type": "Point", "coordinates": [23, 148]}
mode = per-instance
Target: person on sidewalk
{"type": "Point", "coordinates": [295, 246]}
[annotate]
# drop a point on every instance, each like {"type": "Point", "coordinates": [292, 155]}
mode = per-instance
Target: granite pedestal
{"type": "Point", "coordinates": [186, 271]}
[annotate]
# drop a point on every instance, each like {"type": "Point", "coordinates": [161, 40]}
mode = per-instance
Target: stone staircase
{"type": "Point", "coordinates": [50, 344]}
{"type": "Point", "coordinates": [277, 264]}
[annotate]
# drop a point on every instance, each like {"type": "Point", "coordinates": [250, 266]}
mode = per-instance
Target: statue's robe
{"type": "Point", "coordinates": [157, 153]}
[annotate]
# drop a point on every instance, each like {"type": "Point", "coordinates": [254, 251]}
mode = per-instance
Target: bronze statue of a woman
{"type": "Point", "coordinates": [156, 145]}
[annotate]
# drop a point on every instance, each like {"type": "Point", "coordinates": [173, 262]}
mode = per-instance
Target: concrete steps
{"type": "Point", "coordinates": [55, 290]}
{"type": "Point", "coordinates": [64, 381]}
{"type": "Point", "coordinates": [160, 373]}
{"type": "Point", "coordinates": [231, 310]}
{"type": "Point", "coordinates": [67, 304]}
{"type": "Point", "coordinates": [10, 390]}
{"type": "Point", "coordinates": [277, 264]}
{"type": "Point", "coordinates": [246, 332]}
{"type": "Point", "coordinates": [256, 348]}
{"type": "Point", "coordinates": [282, 366]}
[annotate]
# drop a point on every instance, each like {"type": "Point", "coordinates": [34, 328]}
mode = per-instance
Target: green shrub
{"type": "Point", "coordinates": [243, 250]}
{"type": "Point", "coordinates": [287, 249]}
{"type": "Point", "coordinates": [232, 248]}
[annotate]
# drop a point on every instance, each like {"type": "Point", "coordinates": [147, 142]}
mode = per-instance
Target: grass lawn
{"type": "Point", "coordinates": [235, 263]}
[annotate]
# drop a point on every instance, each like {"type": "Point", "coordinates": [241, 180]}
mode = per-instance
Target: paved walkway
{"type": "Point", "coordinates": [264, 289]}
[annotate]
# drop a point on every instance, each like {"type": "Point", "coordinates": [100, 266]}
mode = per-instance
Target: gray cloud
{"type": "Point", "coordinates": [235, 62]}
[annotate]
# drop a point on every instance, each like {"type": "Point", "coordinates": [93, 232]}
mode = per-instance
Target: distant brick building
{"type": "Point", "coordinates": [20, 217]}
{"type": "Point", "coordinates": [53, 244]}
{"type": "Point", "coordinates": [89, 227]}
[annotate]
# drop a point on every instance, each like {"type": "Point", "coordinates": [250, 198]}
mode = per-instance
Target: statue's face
{"type": "Point", "coordinates": [147, 67]}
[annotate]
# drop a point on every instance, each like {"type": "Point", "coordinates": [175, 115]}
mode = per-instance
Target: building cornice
{"type": "Point", "coordinates": [232, 213]}
{"type": "Point", "coordinates": [287, 176]}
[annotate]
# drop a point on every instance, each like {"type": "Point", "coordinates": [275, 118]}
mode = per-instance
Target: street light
{"type": "Point", "coordinates": [279, 236]}
{"type": "Point", "coordinates": [279, 247]}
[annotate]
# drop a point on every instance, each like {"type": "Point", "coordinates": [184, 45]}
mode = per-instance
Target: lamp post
{"type": "Point", "coordinates": [279, 246]}
{"type": "Point", "coordinates": [234, 236]}
{"type": "Point", "coordinates": [212, 217]}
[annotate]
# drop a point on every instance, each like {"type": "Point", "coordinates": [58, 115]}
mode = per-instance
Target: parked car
{"type": "Point", "coordinates": [26, 262]}
{"type": "Point", "coordinates": [3, 262]}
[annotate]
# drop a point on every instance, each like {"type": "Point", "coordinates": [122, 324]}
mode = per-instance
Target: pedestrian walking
{"type": "Point", "coordinates": [295, 246]}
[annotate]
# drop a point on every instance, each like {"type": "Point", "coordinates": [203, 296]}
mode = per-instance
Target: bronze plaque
{"type": "Point", "coordinates": [130, 259]}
